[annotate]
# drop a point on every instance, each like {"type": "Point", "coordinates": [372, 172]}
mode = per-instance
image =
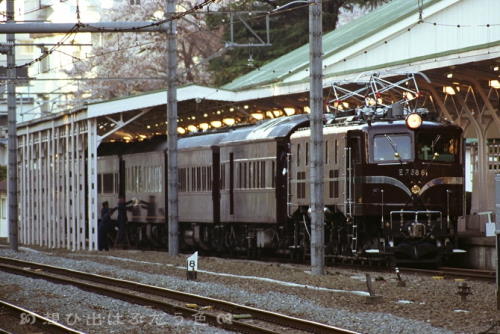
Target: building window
{"type": "Point", "coordinates": [3, 208]}
{"type": "Point", "coordinates": [45, 62]}
{"type": "Point", "coordinates": [494, 154]}
{"type": "Point", "coordinates": [135, 2]}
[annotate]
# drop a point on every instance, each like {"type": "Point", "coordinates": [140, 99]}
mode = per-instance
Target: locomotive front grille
{"type": "Point", "coordinates": [416, 223]}
{"type": "Point", "coordinates": [417, 230]}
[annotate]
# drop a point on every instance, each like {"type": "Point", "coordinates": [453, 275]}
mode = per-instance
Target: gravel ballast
{"type": "Point", "coordinates": [426, 305]}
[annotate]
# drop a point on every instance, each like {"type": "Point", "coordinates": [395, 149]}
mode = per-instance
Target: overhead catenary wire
{"type": "Point", "coordinates": [79, 25]}
{"type": "Point", "coordinates": [176, 16]}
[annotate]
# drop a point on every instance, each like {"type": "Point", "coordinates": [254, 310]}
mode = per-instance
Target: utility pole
{"type": "Point", "coordinates": [316, 152]}
{"type": "Point", "coordinates": [173, 216]}
{"type": "Point", "coordinates": [12, 132]}
{"type": "Point", "coordinates": [497, 235]}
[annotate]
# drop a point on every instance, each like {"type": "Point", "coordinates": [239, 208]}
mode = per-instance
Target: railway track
{"type": "Point", "coordinates": [455, 272]}
{"type": "Point", "coordinates": [15, 317]}
{"type": "Point", "coordinates": [215, 312]}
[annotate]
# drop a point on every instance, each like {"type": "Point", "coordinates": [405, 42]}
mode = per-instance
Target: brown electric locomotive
{"type": "Point", "coordinates": [392, 187]}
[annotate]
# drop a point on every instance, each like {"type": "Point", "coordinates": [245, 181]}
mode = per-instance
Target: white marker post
{"type": "Point", "coordinates": [192, 266]}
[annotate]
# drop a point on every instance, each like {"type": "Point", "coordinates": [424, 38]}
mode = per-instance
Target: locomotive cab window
{"type": "Point", "coordinates": [436, 147]}
{"type": "Point", "coordinates": [392, 147]}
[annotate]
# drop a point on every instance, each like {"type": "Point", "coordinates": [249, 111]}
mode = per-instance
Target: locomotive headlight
{"type": "Point", "coordinates": [413, 121]}
{"type": "Point", "coordinates": [415, 189]}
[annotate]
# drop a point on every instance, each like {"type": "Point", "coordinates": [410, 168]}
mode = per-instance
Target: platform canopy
{"type": "Point", "coordinates": [400, 36]}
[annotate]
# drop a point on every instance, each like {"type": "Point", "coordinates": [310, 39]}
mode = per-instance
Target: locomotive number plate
{"type": "Point", "coordinates": [413, 172]}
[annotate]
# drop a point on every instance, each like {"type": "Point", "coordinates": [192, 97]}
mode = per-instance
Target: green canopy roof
{"type": "Point", "coordinates": [334, 41]}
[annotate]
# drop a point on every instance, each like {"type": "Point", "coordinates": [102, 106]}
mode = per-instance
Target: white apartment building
{"type": "Point", "coordinates": [50, 90]}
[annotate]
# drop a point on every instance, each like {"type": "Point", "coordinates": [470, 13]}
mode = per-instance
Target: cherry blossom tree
{"type": "Point", "coordinates": [143, 55]}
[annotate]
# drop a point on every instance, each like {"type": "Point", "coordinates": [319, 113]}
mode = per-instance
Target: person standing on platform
{"type": "Point", "coordinates": [104, 227]}
{"type": "Point", "coordinates": [122, 236]}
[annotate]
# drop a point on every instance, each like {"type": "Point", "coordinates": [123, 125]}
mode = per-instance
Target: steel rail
{"type": "Point", "coordinates": [454, 272]}
{"type": "Point", "coordinates": [258, 314]}
{"type": "Point", "coordinates": [135, 299]}
{"type": "Point", "coordinates": [38, 320]}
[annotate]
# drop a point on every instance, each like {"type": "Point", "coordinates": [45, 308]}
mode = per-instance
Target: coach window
{"type": "Point", "coordinates": [273, 174]}
{"type": "Point", "coordinates": [391, 147]}
{"type": "Point", "coordinates": [209, 178]}
{"type": "Point", "coordinates": [330, 183]}
{"type": "Point", "coordinates": [198, 179]}
{"type": "Point", "coordinates": [241, 174]}
{"type": "Point", "coordinates": [307, 153]}
{"type": "Point", "coordinates": [181, 180]}
{"type": "Point", "coordinates": [116, 183]}
{"type": "Point", "coordinates": [189, 180]}
{"type": "Point", "coordinates": [336, 150]}
{"type": "Point", "coordinates": [255, 174]}
{"type": "Point", "coordinates": [262, 174]}
{"type": "Point", "coordinates": [301, 185]}
{"type": "Point", "coordinates": [107, 183]}
{"type": "Point", "coordinates": [193, 179]}
{"type": "Point", "coordinates": [298, 154]}
{"type": "Point", "coordinates": [222, 176]}
{"type": "Point", "coordinates": [326, 152]}
{"type": "Point", "coordinates": [99, 183]}
{"type": "Point", "coordinates": [203, 179]}
{"type": "Point", "coordinates": [333, 184]}
{"type": "Point", "coordinates": [244, 175]}
{"type": "Point", "coordinates": [336, 183]}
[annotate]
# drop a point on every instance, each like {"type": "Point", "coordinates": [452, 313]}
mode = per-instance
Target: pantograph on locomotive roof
{"type": "Point", "coordinates": [371, 97]}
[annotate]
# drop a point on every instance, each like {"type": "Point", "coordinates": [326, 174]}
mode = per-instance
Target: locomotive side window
{"type": "Point", "coordinates": [437, 147]}
{"type": "Point", "coordinates": [392, 147]}
{"type": "Point", "coordinates": [355, 144]}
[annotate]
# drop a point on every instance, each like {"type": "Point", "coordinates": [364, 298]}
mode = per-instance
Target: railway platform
{"type": "Point", "coordinates": [480, 254]}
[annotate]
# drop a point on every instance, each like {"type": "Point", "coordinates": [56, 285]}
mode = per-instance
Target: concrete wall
{"type": "Point", "coordinates": [481, 253]}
